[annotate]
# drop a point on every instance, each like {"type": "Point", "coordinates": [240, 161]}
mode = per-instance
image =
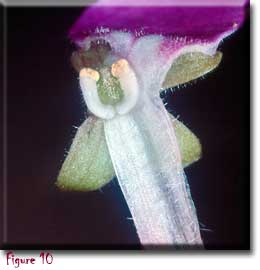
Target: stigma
{"type": "Point", "coordinates": [110, 91]}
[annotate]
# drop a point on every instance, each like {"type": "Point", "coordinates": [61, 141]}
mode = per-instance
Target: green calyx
{"type": "Point", "coordinates": [88, 165]}
{"type": "Point", "coordinates": [109, 89]}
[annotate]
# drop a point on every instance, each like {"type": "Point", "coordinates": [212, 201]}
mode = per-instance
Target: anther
{"type": "Point", "coordinates": [89, 72]}
{"type": "Point", "coordinates": [119, 67]}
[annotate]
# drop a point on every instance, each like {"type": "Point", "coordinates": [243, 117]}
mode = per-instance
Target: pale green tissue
{"type": "Point", "coordinates": [88, 165]}
{"type": "Point", "coordinates": [189, 144]}
{"type": "Point", "coordinates": [190, 66]}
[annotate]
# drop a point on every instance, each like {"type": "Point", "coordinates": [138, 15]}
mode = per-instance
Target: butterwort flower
{"type": "Point", "coordinates": [127, 53]}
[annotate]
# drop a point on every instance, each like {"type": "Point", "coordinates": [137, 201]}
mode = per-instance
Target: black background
{"type": "Point", "coordinates": [44, 103]}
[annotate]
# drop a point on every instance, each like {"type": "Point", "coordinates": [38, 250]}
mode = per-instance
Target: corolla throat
{"type": "Point", "coordinates": [110, 91]}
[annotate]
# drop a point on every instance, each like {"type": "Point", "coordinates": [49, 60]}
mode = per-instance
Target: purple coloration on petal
{"type": "Point", "coordinates": [207, 23]}
{"type": "Point", "coordinates": [152, 36]}
{"type": "Point", "coordinates": [141, 142]}
{"type": "Point", "coordinates": [172, 2]}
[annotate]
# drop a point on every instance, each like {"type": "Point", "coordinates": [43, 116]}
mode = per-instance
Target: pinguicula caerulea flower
{"type": "Point", "coordinates": [129, 51]}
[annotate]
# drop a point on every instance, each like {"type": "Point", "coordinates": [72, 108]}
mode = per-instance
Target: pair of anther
{"type": "Point", "coordinates": [110, 91]}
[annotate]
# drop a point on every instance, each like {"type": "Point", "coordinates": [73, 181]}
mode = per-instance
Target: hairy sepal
{"type": "Point", "coordinates": [188, 142]}
{"type": "Point", "coordinates": [88, 165]}
{"type": "Point", "coordinates": [190, 66]}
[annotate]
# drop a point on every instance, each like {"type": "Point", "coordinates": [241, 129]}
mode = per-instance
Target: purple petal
{"type": "Point", "coordinates": [153, 35]}
{"type": "Point", "coordinates": [211, 21]}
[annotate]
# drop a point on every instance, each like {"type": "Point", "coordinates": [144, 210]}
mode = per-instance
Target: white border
{"type": "Point", "coordinates": [123, 2]}
{"type": "Point", "coordinates": [201, 261]}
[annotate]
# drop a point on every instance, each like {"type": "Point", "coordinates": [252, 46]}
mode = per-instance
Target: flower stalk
{"type": "Point", "coordinates": [148, 166]}
{"type": "Point", "coordinates": [124, 62]}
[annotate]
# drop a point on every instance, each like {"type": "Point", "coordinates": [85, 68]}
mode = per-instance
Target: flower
{"type": "Point", "coordinates": [127, 54]}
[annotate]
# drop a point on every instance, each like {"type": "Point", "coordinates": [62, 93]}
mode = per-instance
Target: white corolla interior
{"type": "Point", "coordinates": [140, 64]}
{"type": "Point", "coordinates": [128, 81]}
{"type": "Point", "coordinates": [141, 139]}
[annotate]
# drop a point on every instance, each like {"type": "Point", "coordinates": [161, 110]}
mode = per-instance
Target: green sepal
{"type": "Point", "coordinates": [88, 164]}
{"type": "Point", "coordinates": [188, 142]}
{"type": "Point", "coordinates": [190, 66]}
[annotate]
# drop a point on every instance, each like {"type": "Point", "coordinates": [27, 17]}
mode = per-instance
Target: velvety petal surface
{"type": "Point", "coordinates": [209, 22]}
{"type": "Point", "coordinates": [155, 33]}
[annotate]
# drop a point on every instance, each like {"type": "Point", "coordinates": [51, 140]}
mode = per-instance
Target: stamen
{"type": "Point", "coordinates": [90, 94]}
{"type": "Point", "coordinates": [89, 72]}
{"type": "Point", "coordinates": [119, 67]}
{"type": "Point", "coordinates": [128, 81]}
{"type": "Point", "coordinates": [106, 95]}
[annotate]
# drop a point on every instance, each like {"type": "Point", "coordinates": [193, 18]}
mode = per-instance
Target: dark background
{"type": "Point", "coordinates": [44, 103]}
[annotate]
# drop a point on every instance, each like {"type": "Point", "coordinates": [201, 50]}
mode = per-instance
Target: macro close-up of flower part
{"type": "Point", "coordinates": [149, 99]}
{"type": "Point", "coordinates": [124, 61]}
